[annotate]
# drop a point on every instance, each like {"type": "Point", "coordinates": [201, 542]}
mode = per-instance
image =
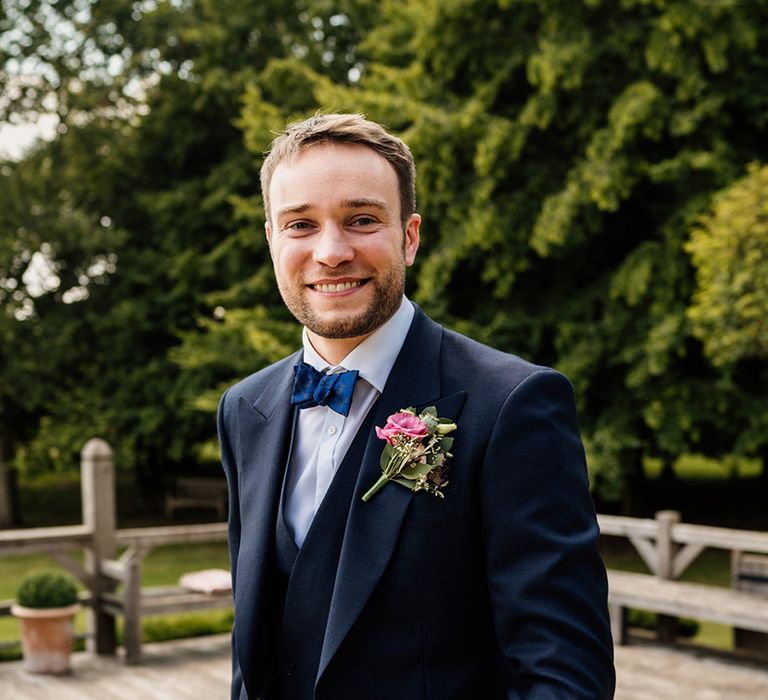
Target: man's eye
{"type": "Point", "coordinates": [364, 221]}
{"type": "Point", "coordinates": [298, 227]}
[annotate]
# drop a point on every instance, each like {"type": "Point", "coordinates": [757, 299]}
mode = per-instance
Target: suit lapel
{"type": "Point", "coordinates": [372, 528]}
{"type": "Point", "coordinates": [264, 433]}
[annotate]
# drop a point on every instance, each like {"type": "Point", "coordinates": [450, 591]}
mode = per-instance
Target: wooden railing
{"type": "Point", "coordinates": [668, 547]}
{"type": "Point", "coordinates": [98, 537]}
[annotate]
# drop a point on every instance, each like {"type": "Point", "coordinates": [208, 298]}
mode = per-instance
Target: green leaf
{"type": "Point", "coordinates": [404, 482]}
{"type": "Point", "coordinates": [386, 455]}
{"type": "Point", "coordinates": [416, 470]}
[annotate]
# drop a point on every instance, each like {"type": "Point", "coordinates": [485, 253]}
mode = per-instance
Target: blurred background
{"type": "Point", "coordinates": [593, 178]}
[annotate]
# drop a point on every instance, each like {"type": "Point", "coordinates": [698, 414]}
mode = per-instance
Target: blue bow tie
{"type": "Point", "coordinates": [313, 388]}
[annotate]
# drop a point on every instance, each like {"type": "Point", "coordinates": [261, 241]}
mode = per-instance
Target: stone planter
{"type": "Point", "coordinates": [47, 636]}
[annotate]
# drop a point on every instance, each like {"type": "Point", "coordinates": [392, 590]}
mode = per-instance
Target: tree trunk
{"type": "Point", "coordinates": [6, 487]}
{"type": "Point", "coordinates": [634, 495]}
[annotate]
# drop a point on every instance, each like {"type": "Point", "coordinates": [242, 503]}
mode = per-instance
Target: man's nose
{"type": "Point", "coordinates": [333, 246]}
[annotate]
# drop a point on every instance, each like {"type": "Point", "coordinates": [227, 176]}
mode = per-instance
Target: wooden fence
{"type": "Point", "coordinates": [668, 547]}
{"type": "Point", "coordinates": [102, 571]}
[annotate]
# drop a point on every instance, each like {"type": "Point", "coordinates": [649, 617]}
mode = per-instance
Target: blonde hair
{"type": "Point", "coordinates": [348, 129]}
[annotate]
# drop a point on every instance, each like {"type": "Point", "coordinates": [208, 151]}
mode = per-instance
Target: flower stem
{"type": "Point", "coordinates": [371, 492]}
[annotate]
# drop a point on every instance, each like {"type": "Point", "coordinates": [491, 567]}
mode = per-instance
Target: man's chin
{"type": "Point", "coordinates": [338, 330]}
{"type": "Point", "coordinates": [340, 325]}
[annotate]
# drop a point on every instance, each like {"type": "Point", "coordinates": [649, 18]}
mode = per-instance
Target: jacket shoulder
{"type": "Point", "coordinates": [255, 385]}
{"type": "Point", "coordinates": [500, 371]}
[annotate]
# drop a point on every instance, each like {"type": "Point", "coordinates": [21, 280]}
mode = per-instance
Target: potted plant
{"type": "Point", "coordinates": [46, 603]}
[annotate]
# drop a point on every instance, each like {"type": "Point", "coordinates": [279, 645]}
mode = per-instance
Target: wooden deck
{"type": "Point", "coordinates": [199, 668]}
{"type": "Point", "coordinates": [190, 669]}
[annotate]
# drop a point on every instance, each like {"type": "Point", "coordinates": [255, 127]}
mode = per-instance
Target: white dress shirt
{"type": "Point", "coordinates": [322, 436]}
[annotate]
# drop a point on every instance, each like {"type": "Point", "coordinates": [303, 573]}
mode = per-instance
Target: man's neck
{"type": "Point", "coordinates": [334, 350]}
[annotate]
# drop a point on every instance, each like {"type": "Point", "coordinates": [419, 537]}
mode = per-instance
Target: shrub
{"type": "Point", "coordinates": [47, 588]}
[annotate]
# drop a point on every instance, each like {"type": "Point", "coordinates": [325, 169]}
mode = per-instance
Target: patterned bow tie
{"type": "Point", "coordinates": [313, 388]}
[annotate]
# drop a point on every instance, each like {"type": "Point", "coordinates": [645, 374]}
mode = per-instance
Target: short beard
{"type": "Point", "coordinates": [388, 295]}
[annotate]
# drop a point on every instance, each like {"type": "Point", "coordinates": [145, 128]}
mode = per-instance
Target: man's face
{"type": "Point", "coordinates": [337, 239]}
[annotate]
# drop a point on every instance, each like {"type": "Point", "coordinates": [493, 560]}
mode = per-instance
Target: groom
{"type": "Point", "coordinates": [495, 589]}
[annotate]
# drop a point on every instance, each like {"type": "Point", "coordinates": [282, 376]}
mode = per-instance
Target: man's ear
{"type": "Point", "coordinates": [411, 238]}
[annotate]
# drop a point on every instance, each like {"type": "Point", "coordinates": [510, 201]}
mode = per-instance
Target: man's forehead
{"type": "Point", "coordinates": [360, 169]}
{"type": "Point", "coordinates": [322, 150]}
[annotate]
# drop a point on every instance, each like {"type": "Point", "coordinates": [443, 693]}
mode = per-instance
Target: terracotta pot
{"type": "Point", "coordinates": [47, 636]}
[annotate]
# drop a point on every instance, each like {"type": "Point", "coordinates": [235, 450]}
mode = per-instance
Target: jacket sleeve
{"type": "Point", "coordinates": [230, 471]}
{"type": "Point", "coordinates": [546, 580]}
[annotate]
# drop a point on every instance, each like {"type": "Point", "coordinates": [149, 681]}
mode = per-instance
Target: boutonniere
{"type": "Point", "coordinates": [416, 452]}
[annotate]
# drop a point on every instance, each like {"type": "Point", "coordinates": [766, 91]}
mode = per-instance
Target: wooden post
{"type": "Point", "coordinates": [98, 494]}
{"type": "Point", "coordinates": [618, 617]}
{"type": "Point", "coordinates": [132, 612]}
{"type": "Point", "coordinates": [665, 551]}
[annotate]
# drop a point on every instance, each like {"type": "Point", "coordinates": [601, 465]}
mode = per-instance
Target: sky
{"type": "Point", "coordinates": [14, 139]}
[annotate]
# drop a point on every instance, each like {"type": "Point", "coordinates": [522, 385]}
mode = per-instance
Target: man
{"type": "Point", "coordinates": [495, 589]}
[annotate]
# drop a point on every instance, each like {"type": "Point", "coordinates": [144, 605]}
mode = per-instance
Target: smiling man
{"type": "Point", "coordinates": [487, 586]}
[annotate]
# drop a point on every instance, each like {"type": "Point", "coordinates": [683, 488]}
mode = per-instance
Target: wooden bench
{"type": "Point", "coordinates": [682, 599]}
{"type": "Point", "coordinates": [198, 492]}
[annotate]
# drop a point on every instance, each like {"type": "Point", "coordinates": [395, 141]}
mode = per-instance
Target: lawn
{"type": "Point", "coordinates": [699, 468]}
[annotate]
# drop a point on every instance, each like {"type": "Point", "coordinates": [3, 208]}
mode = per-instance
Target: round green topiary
{"type": "Point", "coordinates": [47, 588]}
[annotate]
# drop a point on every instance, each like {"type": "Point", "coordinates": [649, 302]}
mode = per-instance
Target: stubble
{"type": "Point", "coordinates": [387, 297]}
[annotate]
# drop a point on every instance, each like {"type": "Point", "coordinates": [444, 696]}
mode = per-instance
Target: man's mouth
{"type": "Point", "coordinates": [338, 287]}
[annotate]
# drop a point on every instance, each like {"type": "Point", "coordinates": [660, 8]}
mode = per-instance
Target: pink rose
{"type": "Point", "coordinates": [402, 423]}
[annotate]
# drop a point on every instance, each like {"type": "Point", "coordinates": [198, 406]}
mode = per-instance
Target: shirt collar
{"type": "Point", "coordinates": [376, 355]}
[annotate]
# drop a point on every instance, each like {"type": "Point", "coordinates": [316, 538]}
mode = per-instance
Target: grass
{"type": "Point", "coordinates": [162, 567]}
{"type": "Point", "coordinates": [699, 468]}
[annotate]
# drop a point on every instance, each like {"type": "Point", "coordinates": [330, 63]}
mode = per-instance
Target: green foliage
{"type": "Point", "coordinates": [729, 248]}
{"type": "Point", "coordinates": [161, 629]}
{"type": "Point", "coordinates": [47, 588]}
{"type": "Point", "coordinates": [11, 652]}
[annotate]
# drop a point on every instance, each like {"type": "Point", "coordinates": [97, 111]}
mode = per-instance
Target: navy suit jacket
{"type": "Point", "coordinates": [495, 591]}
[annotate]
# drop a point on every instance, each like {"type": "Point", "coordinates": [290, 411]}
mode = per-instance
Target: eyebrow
{"type": "Point", "coordinates": [298, 209]}
{"type": "Point", "coordinates": [361, 203]}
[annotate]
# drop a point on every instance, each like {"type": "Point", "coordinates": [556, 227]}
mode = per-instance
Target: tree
{"type": "Point", "coordinates": [729, 248]}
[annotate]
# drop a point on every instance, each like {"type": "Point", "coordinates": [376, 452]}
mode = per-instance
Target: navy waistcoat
{"type": "Point", "coordinates": [310, 575]}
